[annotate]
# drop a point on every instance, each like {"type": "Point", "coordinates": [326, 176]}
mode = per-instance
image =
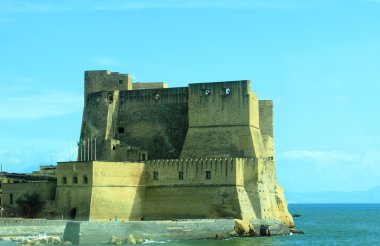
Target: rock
{"type": "Point", "coordinates": [131, 239]}
{"type": "Point", "coordinates": [44, 241]}
{"type": "Point", "coordinates": [67, 243]}
{"type": "Point", "coordinates": [116, 240]}
{"type": "Point", "coordinates": [139, 240]}
{"type": "Point", "coordinates": [275, 227]}
{"type": "Point", "coordinates": [26, 241]}
{"type": "Point", "coordinates": [243, 228]}
{"type": "Point", "coordinates": [56, 239]}
{"type": "Point", "coordinates": [35, 242]}
{"type": "Point", "coordinates": [294, 230]}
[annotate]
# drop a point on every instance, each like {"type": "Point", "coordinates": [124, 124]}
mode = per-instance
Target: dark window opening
{"type": "Point", "coordinates": [180, 175]}
{"type": "Point", "coordinates": [120, 82]}
{"type": "Point", "coordinates": [73, 213]}
{"type": "Point", "coordinates": [155, 175]}
{"type": "Point", "coordinates": [208, 174]}
{"type": "Point", "coordinates": [85, 179]}
{"type": "Point", "coordinates": [110, 97]}
{"type": "Point", "coordinates": [121, 129]}
{"type": "Point", "coordinates": [11, 198]}
{"type": "Point", "coordinates": [75, 180]}
{"type": "Point", "coordinates": [64, 180]}
{"type": "Point", "coordinates": [113, 147]}
{"type": "Point", "coordinates": [206, 92]}
{"type": "Point", "coordinates": [143, 157]}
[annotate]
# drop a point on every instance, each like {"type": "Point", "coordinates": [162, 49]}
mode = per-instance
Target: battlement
{"type": "Point", "coordinates": [155, 96]}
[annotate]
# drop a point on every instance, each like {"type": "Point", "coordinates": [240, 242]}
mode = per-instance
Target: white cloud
{"type": "Point", "coordinates": [38, 106]}
{"type": "Point", "coordinates": [8, 157]}
{"type": "Point", "coordinates": [321, 156]}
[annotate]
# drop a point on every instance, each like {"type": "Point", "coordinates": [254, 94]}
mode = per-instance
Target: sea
{"type": "Point", "coordinates": [322, 224]}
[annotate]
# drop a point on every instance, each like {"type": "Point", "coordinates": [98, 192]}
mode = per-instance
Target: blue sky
{"type": "Point", "coordinates": [317, 59]}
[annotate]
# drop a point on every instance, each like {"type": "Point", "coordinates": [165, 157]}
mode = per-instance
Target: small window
{"type": "Point", "coordinates": [155, 175]}
{"type": "Point", "coordinates": [85, 180]}
{"type": "Point", "coordinates": [180, 175]}
{"type": "Point", "coordinates": [121, 129]}
{"type": "Point", "coordinates": [120, 82]}
{"type": "Point", "coordinates": [143, 157]}
{"type": "Point", "coordinates": [75, 180]}
{"type": "Point", "coordinates": [227, 91]}
{"type": "Point", "coordinates": [64, 180]}
{"type": "Point", "coordinates": [208, 174]}
{"type": "Point", "coordinates": [110, 97]}
{"type": "Point", "coordinates": [11, 198]}
{"type": "Point", "coordinates": [206, 92]}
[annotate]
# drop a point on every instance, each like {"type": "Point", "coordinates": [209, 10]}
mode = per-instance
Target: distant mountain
{"type": "Point", "coordinates": [370, 196]}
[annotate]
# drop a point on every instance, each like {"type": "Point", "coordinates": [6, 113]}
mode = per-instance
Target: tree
{"type": "Point", "coordinates": [29, 204]}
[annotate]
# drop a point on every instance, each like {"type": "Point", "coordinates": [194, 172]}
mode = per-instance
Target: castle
{"type": "Point", "coordinates": [149, 152]}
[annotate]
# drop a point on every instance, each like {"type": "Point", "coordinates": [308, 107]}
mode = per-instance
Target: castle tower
{"type": "Point", "coordinates": [103, 80]}
{"type": "Point", "coordinates": [223, 121]}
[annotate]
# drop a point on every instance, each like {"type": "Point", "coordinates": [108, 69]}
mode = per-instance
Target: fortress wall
{"type": "Point", "coordinates": [194, 196]}
{"type": "Point", "coordinates": [221, 124]}
{"type": "Point", "coordinates": [112, 189]}
{"type": "Point", "coordinates": [266, 126]}
{"type": "Point", "coordinates": [266, 117]}
{"type": "Point", "coordinates": [74, 199]}
{"type": "Point", "coordinates": [149, 85]}
{"type": "Point", "coordinates": [222, 172]}
{"type": "Point", "coordinates": [156, 125]}
{"type": "Point", "coordinates": [99, 121]}
{"type": "Point", "coordinates": [118, 190]}
{"type": "Point", "coordinates": [103, 80]}
{"type": "Point", "coordinates": [218, 108]}
{"type": "Point", "coordinates": [45, 191]}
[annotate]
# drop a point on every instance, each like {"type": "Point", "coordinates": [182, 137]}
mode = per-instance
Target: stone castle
{"type": "Point", "coordinates": [149, 152]}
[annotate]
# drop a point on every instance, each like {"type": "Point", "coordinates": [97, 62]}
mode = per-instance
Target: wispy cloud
{"type": "Point", "coordinates": [8, 157]}
{"type": "Point", "coordinates": [44, 6]}
{"type": "Point", "coordinates": [320, 156]}
{"type": "Point", "coordinates": [30, 107]}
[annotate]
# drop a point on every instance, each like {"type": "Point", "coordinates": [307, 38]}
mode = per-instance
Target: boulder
{"type": "Point", "coordinates": [116, 240]}
{"type": "Point", "coordinates": [139, 240]}
{"type": "Point", "coordinates": [275, 227]}
{"type": "Point", "coordinates": [131, 239]}
{"type": "Point", "coordinates": [243, 228]}
{"type": "Point", "coordinates": [294, 230]}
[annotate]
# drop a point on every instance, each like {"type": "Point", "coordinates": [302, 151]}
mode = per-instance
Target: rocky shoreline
{"type": "Point", "coordinates": [60, 232]}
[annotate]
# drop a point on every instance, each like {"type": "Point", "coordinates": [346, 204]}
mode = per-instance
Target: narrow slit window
{"type": "Point", "coordinates": [155, 175]}
{"type": "Point", "coordinates": [208, 174]}
{"type": "Point", "coordinates": [180, 175]}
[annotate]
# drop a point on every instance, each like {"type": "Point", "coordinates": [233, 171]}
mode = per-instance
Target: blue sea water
{"type": "Point", "coordinates": [323, 224]}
